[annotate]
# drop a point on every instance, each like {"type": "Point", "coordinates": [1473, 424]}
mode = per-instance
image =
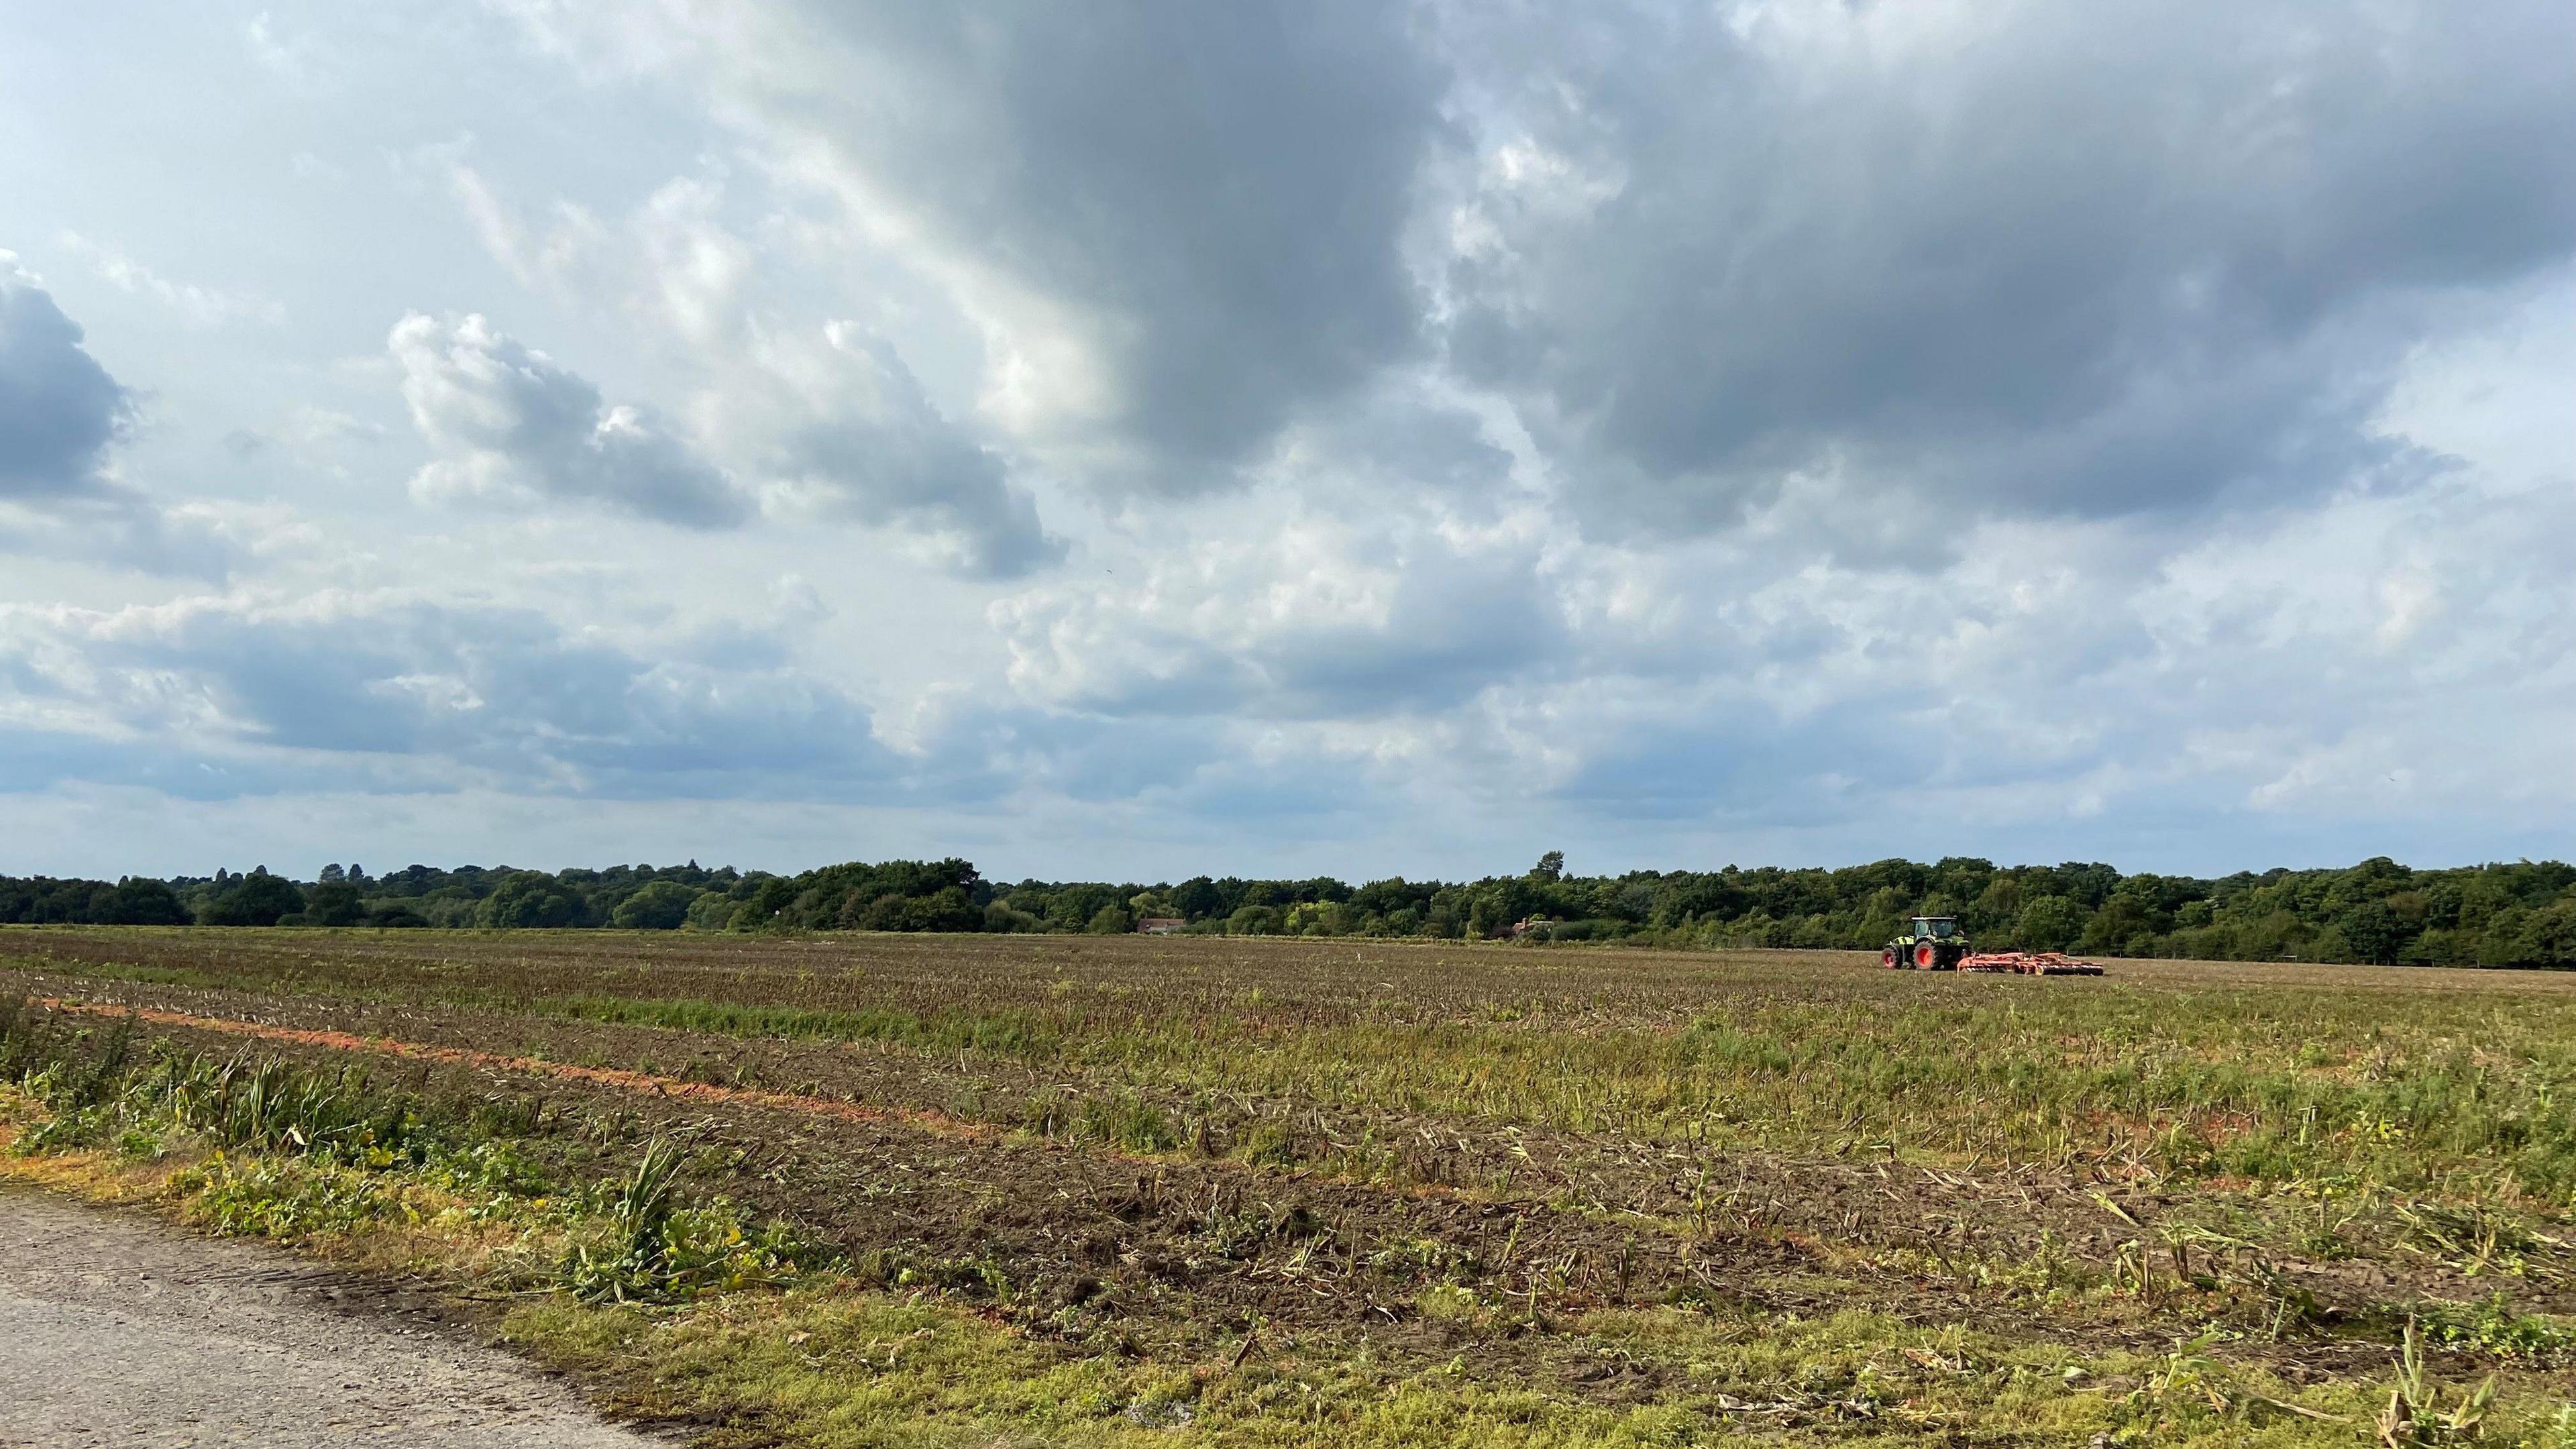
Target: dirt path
{"type": "Point", "coordinates": [115, 1331]}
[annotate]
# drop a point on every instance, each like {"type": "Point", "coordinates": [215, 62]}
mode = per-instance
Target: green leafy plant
{"type": "Point", "coordinates": [2415, 1418]}
{"type": "Point", "coordinates": [635, 1264]}
{"type": "Point", "coordinates": [2494, 1327]}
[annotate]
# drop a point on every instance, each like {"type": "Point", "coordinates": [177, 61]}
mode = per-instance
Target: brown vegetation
{"type": "Point", "coordinates": [1440, 1154]}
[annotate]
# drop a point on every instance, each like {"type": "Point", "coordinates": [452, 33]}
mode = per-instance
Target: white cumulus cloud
{"type": "Point", "coordinates": [510, 424]}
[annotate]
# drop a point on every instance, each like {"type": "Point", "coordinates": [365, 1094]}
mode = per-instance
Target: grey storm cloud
{"type": "Point", "coordinates": [2023, 259]}
{"type": "Point", "coordinates": [901, 463]}
{"type": "Point", "coordinates": [2086, 260]}
{"type": "Point", "coordinates": [1215, 194]}
{"type": "Point", "coordinates": [506, 693]}
{"type": "Point", "coordinates": [61, 415]}
{"type": "Point", "coordinates": [60, 412]}
{"type": "Point", "coordinates": [508, 420]}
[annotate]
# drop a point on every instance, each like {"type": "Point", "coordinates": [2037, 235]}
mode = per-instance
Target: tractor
{"type": "Point", "coordinates": [1935, 944]}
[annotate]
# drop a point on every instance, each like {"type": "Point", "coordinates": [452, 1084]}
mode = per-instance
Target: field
{"type": "Point", "coordinates": [895, 1190]}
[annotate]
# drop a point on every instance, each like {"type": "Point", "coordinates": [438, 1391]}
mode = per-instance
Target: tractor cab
{"type": "Point", "coordinates": [1935, 944]}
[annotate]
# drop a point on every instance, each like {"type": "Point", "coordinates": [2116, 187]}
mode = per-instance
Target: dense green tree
{"type": "Point", "coordinates": [528, 899]}
{"type": "Point", "coordinates": [2373, 932]}
{"type": "Point", "coordinates": [1074, 907]}
{"type": "Point", "coordinates": [1199, 898]}
{"type": "Point", "coordinates": [1253, 921]}
{"type": "Point", "coordinates": [713, 910]}
{"type": "Point", "coordinates": [334, 903]}
{"type": "Point", "coordinates": [1001, 918]}
{"type": "Point", "coordinates": [139, 901]}
{"type": "Point", "coordinates": [662, 905]}
{"type": "Point", "coordinates": [950, 908]}
{"type": "Point", "coordinates": [2517, 914]}
{"type": "Point", "coordinates": [2050, 923]}
{"type": "Point", "coordinates": [259, 899]}
{"type": "Point", "coordinates": [2547, 937]}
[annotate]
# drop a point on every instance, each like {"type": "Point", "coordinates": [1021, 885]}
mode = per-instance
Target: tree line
{"type": "Point", "coordinates": [2517, 914]}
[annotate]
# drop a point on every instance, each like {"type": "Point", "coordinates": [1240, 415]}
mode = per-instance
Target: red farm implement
{"type": "Point", "coordinates": [2029, 963]}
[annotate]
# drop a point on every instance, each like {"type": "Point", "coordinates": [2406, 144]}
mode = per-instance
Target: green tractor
{"type": "Point", "coordinates": [1935, 944]}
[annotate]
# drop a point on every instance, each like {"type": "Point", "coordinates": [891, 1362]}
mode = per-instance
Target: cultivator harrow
{"type": "Point", "coordinates": [2029, 963]}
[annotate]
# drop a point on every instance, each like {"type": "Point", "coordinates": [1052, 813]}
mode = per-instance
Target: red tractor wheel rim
{"type": "Point", "coordinates": [1923, 957]}
{"type": "Point", "coordinates": [1887, 958]}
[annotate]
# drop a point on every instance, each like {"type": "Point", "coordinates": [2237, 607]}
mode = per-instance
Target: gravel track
{"type": "Point", "coordinates": [115, 1330]}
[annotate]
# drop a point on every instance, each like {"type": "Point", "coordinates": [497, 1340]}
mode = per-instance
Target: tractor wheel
{"type": "Point", "coordinates": [1926, 959]}
{"type": "Point", "coordinates": [1887, 958]}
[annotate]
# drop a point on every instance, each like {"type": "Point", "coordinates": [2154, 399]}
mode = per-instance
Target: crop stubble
{"type": "Point", "coordinates": [1165, 1143]}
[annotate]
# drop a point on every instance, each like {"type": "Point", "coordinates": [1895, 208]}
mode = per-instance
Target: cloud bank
{"type": "Point", "coordinates": [1331, 436]}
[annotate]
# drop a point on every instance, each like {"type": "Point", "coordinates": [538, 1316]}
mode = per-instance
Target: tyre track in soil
{"type": "Point", "coordinates": [936, 1124]}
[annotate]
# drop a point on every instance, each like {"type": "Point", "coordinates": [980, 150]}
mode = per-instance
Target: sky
{"type": "Point", "coordinates": [1136, 439]}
